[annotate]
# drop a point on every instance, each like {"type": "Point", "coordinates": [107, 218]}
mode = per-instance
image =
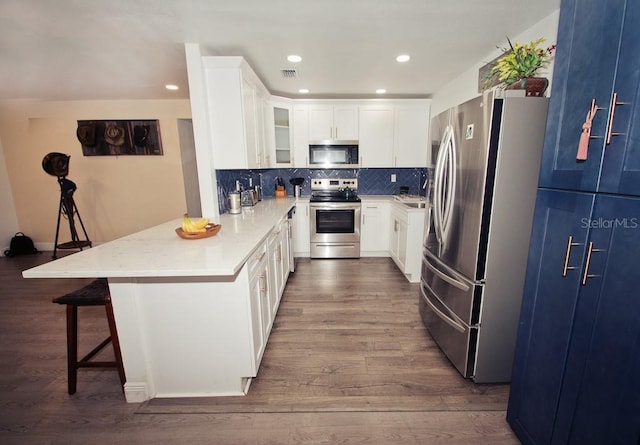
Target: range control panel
{"type": "Point", "coordinates": [334, 184]}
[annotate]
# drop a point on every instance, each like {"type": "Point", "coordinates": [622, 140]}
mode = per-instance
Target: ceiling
{"type": "Point", "coordinates": [129, 49]}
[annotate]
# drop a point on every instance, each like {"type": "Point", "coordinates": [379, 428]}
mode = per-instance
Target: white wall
{"type": "Point", "coordinates": [8, 219]}
{"type": "Point", "coordinates": [465, 86]}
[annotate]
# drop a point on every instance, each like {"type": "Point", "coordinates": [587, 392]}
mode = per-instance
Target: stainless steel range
{"type": "Point", "coordinates": [335, 218]}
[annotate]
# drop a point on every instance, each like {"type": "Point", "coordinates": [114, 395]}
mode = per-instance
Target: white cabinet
{"type": "Point", "coordinates": [250, 107]}
{"type": "Point", "coordinates": [300, 135]}
{"type": "Point", "coordinates": [301, 232]}
{"type": "Point", "coordinates": [333, 121]}
{"type": "Point", "coordinates": [374, 228]}
{"type": "Point", "coordinates": [280, 135]}
{"type": "Point", "coordinates": [405, 239]}
{"type": "Point", "coordinates": [411, 135]}
{"type": "Point", "coordinates": [261, 316]}
{"type": "Point", "coordinates": [376, 136]}
{"type": "Point", "coordinates": [394, 135]}
{"type": "Point", "coordinates": [278, 264]}
{"type": "Point", "coordinates": [237, 103]}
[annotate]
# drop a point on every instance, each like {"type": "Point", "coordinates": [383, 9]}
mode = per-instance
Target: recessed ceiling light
{"type": "Point", "coordinates": [294, 58]}
{"type": "Point", "coordinates": [403, 58]}
{"type": "Point", "coordinates": [381, 91]}
{"type": "Point", "coordinates": [171, 87]}
{"type": "Point", "coordinates": [303, 90]}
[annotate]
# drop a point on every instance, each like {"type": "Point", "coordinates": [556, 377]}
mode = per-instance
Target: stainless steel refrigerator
{"type": "Point", "coordinates": [487, 159]}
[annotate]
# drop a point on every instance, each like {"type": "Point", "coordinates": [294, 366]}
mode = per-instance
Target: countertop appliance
{"type": "Point", "coordinates": [334, 154]}
{"type": "Point", "coordinates": [235, 207]}
{"type": "Point", "coordinates": [248, 198]}
{"type": "Point", "coordinates": [477, 240]}
{"type": "Point", "coordinates": [335, 209]}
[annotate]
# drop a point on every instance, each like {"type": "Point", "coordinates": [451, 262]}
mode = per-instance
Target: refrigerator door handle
{"type": "Point", "coordinates": [451, 168]}
{"type": "Point", "coordinates": [437, 191]}
{"type": "Point", "coordinates": [449, 279]}
{"type": "Point", "coordinates": [450, 321]}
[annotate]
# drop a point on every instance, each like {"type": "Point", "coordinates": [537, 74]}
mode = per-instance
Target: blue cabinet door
{"type": "Point", "coordinates": [549, 306]}
{"type": "Point", "coordinates": [621, 163]}
{"type": "Point", "coordinates": [606, 408]}
{"type": "Point", "coordinates": [585, 63]}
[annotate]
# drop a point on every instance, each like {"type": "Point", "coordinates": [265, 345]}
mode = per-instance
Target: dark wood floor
{"type": "Point", "coordinates": [348, 362]}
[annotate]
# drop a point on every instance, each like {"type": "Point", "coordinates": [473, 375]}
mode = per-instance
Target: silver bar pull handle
{"type": "Point", "coordinates": [566, 267]}
{"type": "Point", "coordinates": [459, 284]}
{"type": "Point", "coordinates": [612, 112]}
{"type": "Point", "coordinates": [587, 263]}
{"type": "Point", "coordinates": [450, 321]}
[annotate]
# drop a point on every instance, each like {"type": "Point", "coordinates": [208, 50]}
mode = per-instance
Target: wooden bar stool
{"type": "Point", "coordinates": [94, 294]}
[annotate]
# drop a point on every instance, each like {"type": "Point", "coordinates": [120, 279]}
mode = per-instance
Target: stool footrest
{"type": "Point", "coordinates": [95, 350]}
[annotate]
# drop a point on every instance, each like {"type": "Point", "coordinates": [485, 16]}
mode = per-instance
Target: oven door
{"type": "Point", "coordinates": [335, 230]}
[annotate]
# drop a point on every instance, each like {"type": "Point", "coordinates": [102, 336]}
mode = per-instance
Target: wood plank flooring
{"type": "Point", "coordinates": [348, 361]}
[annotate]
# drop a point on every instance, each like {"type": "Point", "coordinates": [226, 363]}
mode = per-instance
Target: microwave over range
{"type": "Point", "coordinates": [334, 154]}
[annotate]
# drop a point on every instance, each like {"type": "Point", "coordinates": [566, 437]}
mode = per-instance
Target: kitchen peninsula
{"type": "Point", "coordinates": [193, 316]}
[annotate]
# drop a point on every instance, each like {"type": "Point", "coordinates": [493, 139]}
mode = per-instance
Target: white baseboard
{"type": "Point", "coordinates": [136, 392]}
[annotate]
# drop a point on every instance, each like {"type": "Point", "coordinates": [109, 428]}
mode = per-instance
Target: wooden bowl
{"type": "Point", "coordinates": [211, 230]}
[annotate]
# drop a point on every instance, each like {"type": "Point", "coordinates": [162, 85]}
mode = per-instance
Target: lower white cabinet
{"type": "Point", "coordinates": [405, 239]}
{"type": "Point", "coordinates": [261, 318]}
{"type": "Point", "coordinates": [268, 270]}
{"type": "Point", "coordinates": [278, 264]}
{"type": "Point", "coordinates": [374, 228]}
{"type": "Point", "coordinates": [301, 230]}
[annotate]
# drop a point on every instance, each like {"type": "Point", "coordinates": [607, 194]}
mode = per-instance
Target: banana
{"type": "Point", "coordinates": [197, 225]}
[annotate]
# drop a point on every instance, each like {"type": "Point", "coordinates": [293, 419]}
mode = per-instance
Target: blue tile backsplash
{"type": "Point", "coordinates": [371, 181]}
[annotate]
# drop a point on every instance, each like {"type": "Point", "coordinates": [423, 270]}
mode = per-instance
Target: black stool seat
{"type": "Point", "coordinates": [95, 293]}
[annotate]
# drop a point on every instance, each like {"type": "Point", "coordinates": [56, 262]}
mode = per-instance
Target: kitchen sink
{"type": "Point", "coordinates": [413, 201]}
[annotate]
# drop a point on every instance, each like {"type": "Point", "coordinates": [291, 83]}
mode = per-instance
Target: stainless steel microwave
{"type": "Point", "coordinates": [333, 154]}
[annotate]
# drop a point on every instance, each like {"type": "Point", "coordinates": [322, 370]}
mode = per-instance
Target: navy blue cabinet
{"type": "Point", "coordinates": [578, 350]}
{"type": "Point", "coordinates": [597, 61]}
{"type": "Point", "coordinates": [621, 165]}
{"type": "Point", "coordinates": [576, 374]}
{"type": "Point", "coordinates": [557, 252]}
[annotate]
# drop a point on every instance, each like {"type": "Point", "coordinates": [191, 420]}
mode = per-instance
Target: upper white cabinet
{"type": "Point", "coordinates": [237, 102]}
{"type": "Point", "coordinates": [411, 135]}
{"type": "Point", "coordinates": [394, 135]}
{"type": "Point", "coordinates": [300, 135]}
{"type": "Point", "coordinates": [333, 121]}
{"type": "Point", "coordinates": [280, 123]}
{"type": "Point", "coordinates": [376, 136]}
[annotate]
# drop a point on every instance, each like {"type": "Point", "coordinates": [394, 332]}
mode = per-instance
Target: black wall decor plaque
{"type": "Point", "coordinates": [119, 137]}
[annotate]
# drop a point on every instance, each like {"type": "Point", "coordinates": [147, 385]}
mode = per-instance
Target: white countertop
{"type": "Point", "coordinates": [159, 252]}
{"type": "Point", "coordinates": [404, 204]}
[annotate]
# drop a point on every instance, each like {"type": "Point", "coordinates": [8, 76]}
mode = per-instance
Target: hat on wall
{"type": "Point", "coordinates": [140, 135]}
{"type": "Point", "coordinates": [56, 164]}
{"type": "Point", "coordinates": [114, 135]}
{"type": "Point", "coordinates": [86, 133]}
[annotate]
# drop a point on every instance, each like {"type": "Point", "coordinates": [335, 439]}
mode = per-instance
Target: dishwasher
{"type": "Point", "coordinates": [292, 264]}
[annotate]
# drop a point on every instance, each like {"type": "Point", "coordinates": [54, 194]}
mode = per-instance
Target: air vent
{"type": "Point", "coordinates": [288, 73]}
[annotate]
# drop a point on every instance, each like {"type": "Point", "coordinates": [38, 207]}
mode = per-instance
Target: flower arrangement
{"type": "Point", "coordinates": [520, 61]}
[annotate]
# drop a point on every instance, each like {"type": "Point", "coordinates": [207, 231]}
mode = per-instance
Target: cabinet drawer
{"type": "Point", "coordinates": [258, 255]}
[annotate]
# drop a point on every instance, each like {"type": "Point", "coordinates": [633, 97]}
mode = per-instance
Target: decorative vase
{"type": "Point", "coordinates": [533, 86]}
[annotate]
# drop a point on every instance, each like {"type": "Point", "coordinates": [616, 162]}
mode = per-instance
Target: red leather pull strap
{"type": "Point", "coordinates": [583, 145]}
